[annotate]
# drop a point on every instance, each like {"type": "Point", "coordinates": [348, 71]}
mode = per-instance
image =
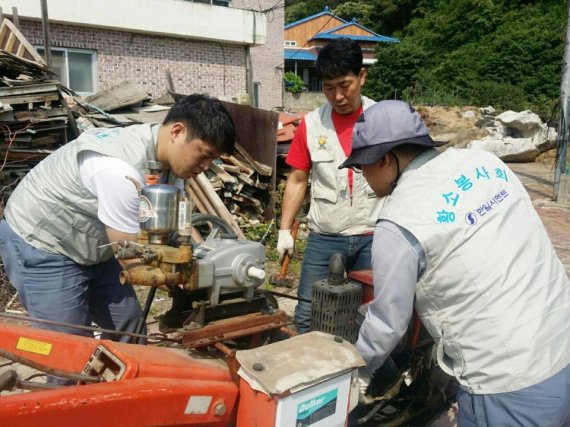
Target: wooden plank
{"type": "Point", "coordinates": [242, 166]}
{"type": "Point", "coordinates": [41, 114]}
{"type": "Point", "coordinates": [194, 196]}
{"type": "Point", "coordinates": [201, 197]}
{"type": "Point", "coordinates": [222, 174]}
{"type": "Point", "coordinates": [8, 36]}
{"type": "Point", "coordinates": [28, 89]}
{"type": "Point", "coordinates": [218, 204]}
{"type": "Point", "coordinates": [231, 168]}
{"type": "Point", "coordinates": [121, 95]}
{"type": "Point", "coordinates": [25, 99]}
{"type": "Point", "coordinates": [246, 179]}
{"type": "Point", "coordinates": [10, 43]}
{"type": "Point", "coordinates": [260, 168]}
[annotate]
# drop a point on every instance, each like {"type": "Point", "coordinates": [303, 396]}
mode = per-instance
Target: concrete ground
{"type": "Point", "coordinates": [538, 180]}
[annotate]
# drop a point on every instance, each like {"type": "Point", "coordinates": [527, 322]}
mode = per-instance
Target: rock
{"type": "Point", "coordinates": [468, 114]}
{"type": "Point", "coordinates": [487, 111]}
{"type": "Point", "coordinates": [524, 124]}
{"type": "Point", "coordinates": [516, 137]}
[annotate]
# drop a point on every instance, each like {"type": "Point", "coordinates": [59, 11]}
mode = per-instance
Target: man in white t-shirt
{"type": "Point", "coordinates": [59, 222]}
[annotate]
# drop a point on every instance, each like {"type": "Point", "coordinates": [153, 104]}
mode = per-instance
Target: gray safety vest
{"type": "Point", "coordinates": [52, 210]}
{"type": "Point", "coordinates": [333, 209]}
{"type": "Point", "coordinates": [494, 295]}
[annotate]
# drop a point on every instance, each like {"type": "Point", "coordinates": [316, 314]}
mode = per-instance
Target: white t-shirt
{"type": "Point", "coordinates": [117, 196]}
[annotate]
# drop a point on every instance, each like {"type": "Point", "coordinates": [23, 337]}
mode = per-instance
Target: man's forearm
{"type": "Point", "coordinates": [292, 201]}
{"type": "Point", "coordinates": [293, 197]}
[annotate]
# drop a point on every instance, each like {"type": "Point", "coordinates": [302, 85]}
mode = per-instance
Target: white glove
{"type": "Point", "coordinates": [363, 384]}
{"type": "Point", "coordinates": [285, 243]}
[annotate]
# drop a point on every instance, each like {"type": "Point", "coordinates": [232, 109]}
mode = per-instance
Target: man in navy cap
{"type": "Point", "coordinates": [460, 235]}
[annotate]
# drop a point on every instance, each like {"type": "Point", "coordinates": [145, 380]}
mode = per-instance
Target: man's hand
{"type": "Point", "coordinates": [285, 243]}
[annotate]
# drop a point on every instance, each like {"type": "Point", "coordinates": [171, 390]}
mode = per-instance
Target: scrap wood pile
{"type": "Point", "coordinates": [38, 115]}
{"type": "Point", "coordinates": [34, 117]}
{"type": "Point", "coordinates": [242, 184]}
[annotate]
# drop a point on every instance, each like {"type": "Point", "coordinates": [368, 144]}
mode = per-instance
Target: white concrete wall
{"type": "Point", "coordinates": [267, 60]}
{"type": "Point", "coordinates": [174, 18]}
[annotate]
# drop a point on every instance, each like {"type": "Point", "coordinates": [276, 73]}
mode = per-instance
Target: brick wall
{"type": "Point", "coordinates": [196, 66]}
{"type": "Point", "coordinates": [267, 59]}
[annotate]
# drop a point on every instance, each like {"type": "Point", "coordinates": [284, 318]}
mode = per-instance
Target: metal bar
{"type": "Point", "coordinates": [562, 146]}
{"type": "Point", "coordinates": [144, 315]}
{"type": "Point", "coordinates": [279, 294]}
{"type": "Point", "coordinates": [45, 26]}
{"type": "Point", "coordinates": [15, 17]}
{"type": "Point", "coordinates": [236, 327]}
{"type": "Point", "coordinates": [85, 328]}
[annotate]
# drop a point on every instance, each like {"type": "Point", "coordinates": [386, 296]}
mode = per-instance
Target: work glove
{"type": "Point", "coordinates": [363, 383]}
{"type": "Point", "coordinates": [285, 243]}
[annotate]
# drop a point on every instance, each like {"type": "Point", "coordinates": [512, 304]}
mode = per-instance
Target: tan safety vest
{"type": "Point", "coordinates": [494, 295]}
{"type": "Point", "coordinates": [333, 210]}
{"type": "Point", "coordinates": [52, 210]}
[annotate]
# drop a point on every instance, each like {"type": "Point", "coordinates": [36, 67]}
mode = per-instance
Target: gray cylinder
{"type": "Point", "coordinates": [158, 211]}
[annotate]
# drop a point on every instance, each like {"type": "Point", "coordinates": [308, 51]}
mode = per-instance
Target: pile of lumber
{"type": "Point", "coordinates": [242, 184]}
{"type": "Point", "coordinates": [34, 115]}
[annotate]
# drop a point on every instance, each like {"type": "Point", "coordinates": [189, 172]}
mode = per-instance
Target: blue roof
{"type": "Point", "coordinates": [326, 11]}
{"type": "Point", "coordinates": [374, 37]}
{"type": "Point", "coordinates": [300, 55]}
{"type": "Point", "coordinates": [357, 38]}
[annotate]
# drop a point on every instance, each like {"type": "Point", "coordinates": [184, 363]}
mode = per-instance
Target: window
{"type": "Point", "coordinates": [256, 93]}
{"type": "Point", "coordinates": [75, 68]}
{"type": "Point", "coordinates": [290, 43]}
{"type": "Point", "coordinates": [213, 2]}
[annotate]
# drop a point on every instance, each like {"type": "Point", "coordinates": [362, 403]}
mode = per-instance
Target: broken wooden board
{"type": "Point", "coordinates": [13, 41]}
{"type": "Point", "coordinates": [125, 94]}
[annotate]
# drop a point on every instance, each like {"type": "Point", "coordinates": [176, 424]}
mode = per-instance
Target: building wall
{"type": "Point", "coordinates": [267, 60]}
{"type": "Point", "coordinates": [303, 102]}
{"type": "Point", "coordinates": [196, 66]}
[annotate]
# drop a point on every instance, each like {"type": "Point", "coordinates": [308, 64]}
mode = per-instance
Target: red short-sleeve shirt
{"type": "Point", "coordinates": [299, 156]}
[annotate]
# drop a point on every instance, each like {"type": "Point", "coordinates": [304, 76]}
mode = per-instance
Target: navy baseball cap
{"type": "Point", "coordinates": [384, 126]}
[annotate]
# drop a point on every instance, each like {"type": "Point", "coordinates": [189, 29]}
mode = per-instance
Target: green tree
{"type": "Point", "coordinates": [360, 10]}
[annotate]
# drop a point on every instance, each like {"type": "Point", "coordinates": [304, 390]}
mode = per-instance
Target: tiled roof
{"type": "Point", "coordinates": [299, 55]}
{"type": "Point", "coordinates": [374, 37]}
{"type": "Point", "coordinates": [359, 38]}
{"type": "Point", "coordinates": [326, 11]}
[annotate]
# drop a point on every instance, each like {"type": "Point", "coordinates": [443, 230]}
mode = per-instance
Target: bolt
{"type": "Point", "coordinates": [220, 409]}
{"type": "Point", "coordinates": [258, 367]}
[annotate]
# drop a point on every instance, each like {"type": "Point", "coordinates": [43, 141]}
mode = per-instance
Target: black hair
{"type": "Point", "coordinates": [206, 118]}
{"type": "Point", "coordinates": [338, 58]}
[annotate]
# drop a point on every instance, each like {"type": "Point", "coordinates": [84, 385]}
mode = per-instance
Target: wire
{"type": "Point", "coordinates": [11, 136]}
{"type": "Point", "coordinates": [275, 6]}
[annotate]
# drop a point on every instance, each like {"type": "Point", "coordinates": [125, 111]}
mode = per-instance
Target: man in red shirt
{"type": "Point", "coordinates": [343, 207]}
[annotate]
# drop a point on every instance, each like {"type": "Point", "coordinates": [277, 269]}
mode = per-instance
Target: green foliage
{"type": "Point", "coordinates": [293, 82]}
{"type": "Point", "coordinates": [479, 52]}
{"type": "Point", "coordinates": [361, 10]}
{"type": "Point", "coordinates": [296, 10]}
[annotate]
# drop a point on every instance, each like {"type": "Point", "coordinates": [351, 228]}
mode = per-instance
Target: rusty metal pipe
{"type": "Point", "coordinates": [144, 275]}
